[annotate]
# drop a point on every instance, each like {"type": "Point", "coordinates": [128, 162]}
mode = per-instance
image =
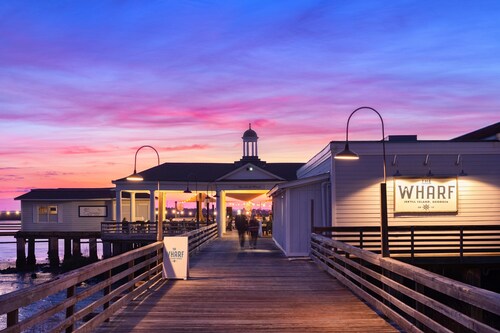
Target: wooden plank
{"type": "Point", "coordinates": [248, 290]}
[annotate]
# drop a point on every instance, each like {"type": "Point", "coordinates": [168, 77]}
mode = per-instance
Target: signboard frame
{"type": "Point", "coordinates": [420, 199]}
{"type": "Point", "coordinates": [176, 257]}
{"type": "Point", "coordinates": [92, 211]}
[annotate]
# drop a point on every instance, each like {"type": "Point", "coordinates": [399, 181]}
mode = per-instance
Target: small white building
{"type": "Point", "coordinates": [453, 182]}
{"type": "Point", "coordinates": [66, 209]}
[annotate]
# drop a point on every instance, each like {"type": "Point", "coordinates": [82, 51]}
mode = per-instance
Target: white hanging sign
{"type": "Point", "coordinates": [425, 195]}
{"type": "Point", "coordinates": [175, 258]}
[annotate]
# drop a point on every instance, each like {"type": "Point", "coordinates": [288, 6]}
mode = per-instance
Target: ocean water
{"type": "Point", "coordinates": [8, 258]}
{"type": "Point", "coordinates": [13, 281]}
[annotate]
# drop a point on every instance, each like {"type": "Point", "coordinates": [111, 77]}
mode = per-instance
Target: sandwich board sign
{"type": "Point", "coordinates": [175, 258]}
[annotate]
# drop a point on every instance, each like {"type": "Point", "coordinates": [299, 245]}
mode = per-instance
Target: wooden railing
{"type": "Point", "coordinates": [415, 241]}
{"type": "Point", "coordinates": [9, 228]}
{"type": "Point", "coordinates": [199, 237]}
{"type": "Point", "coordinates": [415, 299]}
{"type": "Point", "coordinates": [84, 298]}
{"type": "Point", "coordinates": [145, 230]}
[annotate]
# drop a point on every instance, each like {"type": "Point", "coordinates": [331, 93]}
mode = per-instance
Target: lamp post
{"type": "Point", "coordinates": [187, 190]}
{"type": "Point", "coordinates": [207, 202]}
{"type": "Point", "coordinates": [347, 154]}
{"type": "Point", "coordinates": [136, 177]}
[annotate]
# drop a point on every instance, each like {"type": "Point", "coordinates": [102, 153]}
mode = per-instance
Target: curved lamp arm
{"type": "Point", "coordinates": [135, 176]}
{"type": "Point", "coordinates": [383, 135]}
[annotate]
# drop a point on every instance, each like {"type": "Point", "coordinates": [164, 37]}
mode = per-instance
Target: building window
{"type": "Point", "coordinates": [47, 214]}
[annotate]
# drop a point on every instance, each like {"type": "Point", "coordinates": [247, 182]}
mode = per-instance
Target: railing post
{"type": "Point", "coordinates": [461, 242]}
{"type": "Point", "coordinates": [12, 318]}
{"type": "Point", "coordinates": [107, 291]}
{"type": "Point", "coordinates": [361, 239]}
{"type": "Point", "coordinates": [131, 275]}
{"type": "Point", "coordinates": [412, 242]}
{"type": "Point", "coordinates": [70, 310]}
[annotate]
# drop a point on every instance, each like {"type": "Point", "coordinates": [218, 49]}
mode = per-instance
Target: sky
{"type": "Point", "coordinates": [85, 83]}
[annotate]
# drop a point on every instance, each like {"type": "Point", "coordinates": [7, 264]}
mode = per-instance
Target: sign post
{"type": "Point", "coordinates": [175, 258]}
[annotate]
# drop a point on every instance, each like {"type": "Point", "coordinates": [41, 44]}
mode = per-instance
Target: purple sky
{"type": "Point", "coordinates": [83, 84]}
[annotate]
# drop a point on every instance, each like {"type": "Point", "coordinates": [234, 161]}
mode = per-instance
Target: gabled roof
{"type": "Point", "coordinates": [69, 194]}
{"type": "Point", "coordinates": [258, 173]}
{"type": "Point", "coordinates": [488, 133]}
{"type": "Point", "coordinates": [210, 172]}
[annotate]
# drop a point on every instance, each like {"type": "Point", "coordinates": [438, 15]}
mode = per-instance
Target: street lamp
{"type": "Point", "coordinates": [136, 177]}
{"type": "Point", "coordinates": [207, 202]}
{"type": "Point", "coordinates": [198, 203]}
{"type": "Point", "coordinates": [347, 154]}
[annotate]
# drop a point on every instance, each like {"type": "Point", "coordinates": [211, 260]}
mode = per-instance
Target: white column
{"type": "Point", "coordinates": [118, 206]}
{"type": "Point", "coordinates": [132, 206]}
{"type": "Point", "coordinates": [221, 212]}
{"type": "Point", "coordinates": [256, 152]}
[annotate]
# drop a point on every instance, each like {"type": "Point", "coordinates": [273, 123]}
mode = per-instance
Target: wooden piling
{"type": "Point", "coordinates": [106, 250]}
{"type": "Point", "coordinates": [77, 250]}
{"type": "Point", "coordinates": [31, 260]}
{"type": "Point", "coordinates": [54, 252]}
{"type": "Point", "coordinates": [93, 249]}
{"type": "Point", "coordinates": [67, 249]}
{"type": "Point", "coordinates": [21, 253]}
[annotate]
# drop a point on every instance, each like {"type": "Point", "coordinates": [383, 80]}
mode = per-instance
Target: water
{"type": "Point", "coordinates": [10, 282]}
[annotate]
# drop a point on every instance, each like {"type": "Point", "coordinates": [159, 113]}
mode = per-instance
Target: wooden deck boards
{"type": "Point", "coordinates": [230, 290]}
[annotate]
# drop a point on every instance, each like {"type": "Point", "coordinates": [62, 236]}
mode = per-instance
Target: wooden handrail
{"type": "Point", "coordinates": [413, 297]}
{"type": "Point", "coordinates": [409, 241]}
{"type": "Point", "coordinates": [120, 279]}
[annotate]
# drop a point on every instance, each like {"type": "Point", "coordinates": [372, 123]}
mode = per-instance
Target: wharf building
{"type": "Point", "coordinates": [437, 184]}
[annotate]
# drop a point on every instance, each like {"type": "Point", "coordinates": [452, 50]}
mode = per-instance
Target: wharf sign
{"type": "Point", "coordinates": [425, 195]}
{"type": "Point", "coordinates": [175, 257]}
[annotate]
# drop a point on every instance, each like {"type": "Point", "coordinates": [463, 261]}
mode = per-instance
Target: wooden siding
{"type": "Point", "coordinates": [300, 221]}
{"type": "Point", "coordinates": [292, 216]}
{"type": "Point", "coordinates": [67, 216]}
{"type": "Point", "coordinates": [280, 222]}
{"type": "Point", "coordinates": [357, 190]}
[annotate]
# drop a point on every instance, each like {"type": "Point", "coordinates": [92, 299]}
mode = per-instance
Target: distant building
{"type": "Point", "coordinates": [76, 209]}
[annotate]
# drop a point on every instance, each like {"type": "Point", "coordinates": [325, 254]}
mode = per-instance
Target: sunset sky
{"type": "Point", "coordinates": [83, 84]}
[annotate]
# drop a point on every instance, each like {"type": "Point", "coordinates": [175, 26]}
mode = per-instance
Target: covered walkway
{"type": "Point", "coordinates": [233, 290]}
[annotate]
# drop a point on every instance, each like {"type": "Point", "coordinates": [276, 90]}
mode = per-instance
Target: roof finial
{"type": "Point", "coordinates": [249, 125]}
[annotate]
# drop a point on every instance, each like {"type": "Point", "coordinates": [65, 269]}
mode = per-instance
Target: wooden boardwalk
{"type": "Point", "coordinates": [233, 290]}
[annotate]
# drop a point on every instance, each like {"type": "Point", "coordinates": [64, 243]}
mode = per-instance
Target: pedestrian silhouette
{"type": "Point", "coordinates": [242, 227]}
{"type": "Point", "coordinates": [253, 227]}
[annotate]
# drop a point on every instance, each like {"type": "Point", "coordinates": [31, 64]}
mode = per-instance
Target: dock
{"type": "Point", "coordinates": [250, 290]}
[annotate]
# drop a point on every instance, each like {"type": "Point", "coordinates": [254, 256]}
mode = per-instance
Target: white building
{"type": "Point", "coordinates": [453, 182]}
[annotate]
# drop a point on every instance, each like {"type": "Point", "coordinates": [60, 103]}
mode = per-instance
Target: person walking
{"type": "Point", "coordinates": [253, 227]}
{"type": "Point", "coordinates": [242, 227]}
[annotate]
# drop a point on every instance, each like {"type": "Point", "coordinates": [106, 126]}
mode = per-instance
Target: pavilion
{"type": "Point", "coordinates": [245, 179]}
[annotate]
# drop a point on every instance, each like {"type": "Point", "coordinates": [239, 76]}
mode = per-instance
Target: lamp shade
{"type": "Point", "coordinates": [347, 154]}
{"type": "Point", "coordinates": [135, 177]}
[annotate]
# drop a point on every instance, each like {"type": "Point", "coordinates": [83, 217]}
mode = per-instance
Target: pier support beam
{"type": "Point", "coordinates": [93, 249]}
{"type": "Point", "coordinates": [106, 250]}
{"type": "Point", "coordinates": [77, 251]}
{"type": "Point", "coordinates": [21, 253]}
{"type": "Point", "coordinates": [31, 260]}
{"type": "Point", "coordinates": [67, 249]}
{"type": "Point", "coordinates": [53, 252]}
